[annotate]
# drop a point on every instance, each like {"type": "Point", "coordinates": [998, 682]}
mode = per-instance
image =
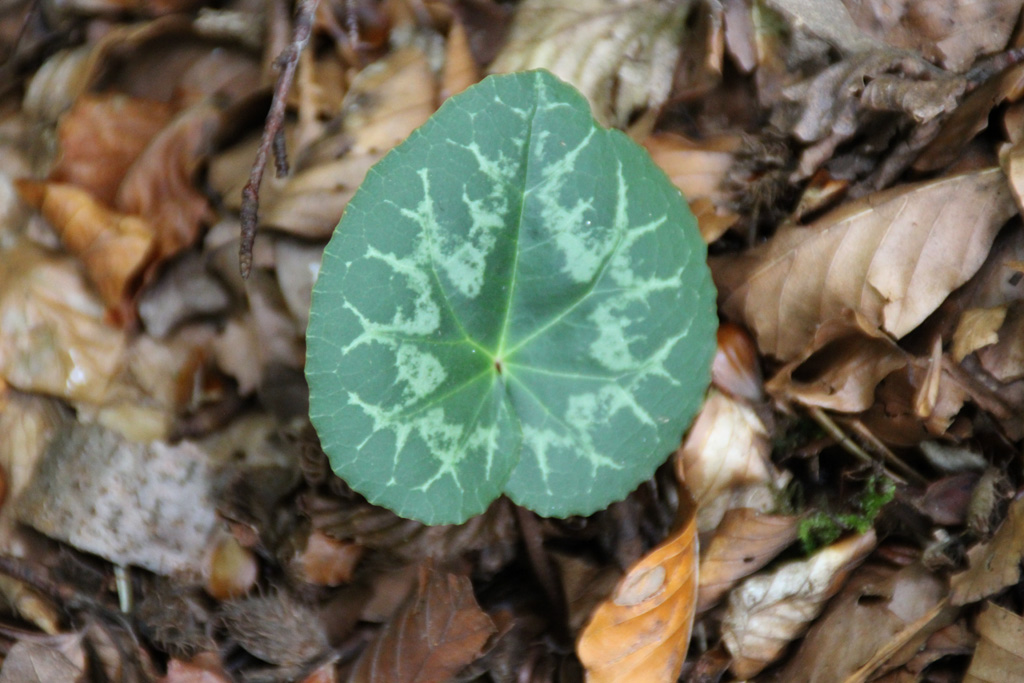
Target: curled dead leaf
{"type": "Point", "coordinates": [744, 541]}
{"type": "Point", "coordinates": [771, 609]}
{"type": "Point", "coordinates": [736, 368]}
{"type": "Point", "coordinates": [878, 620]}
{"type": "Point", "coordinates": [844, 363]}
{"type": "Point", "coordinates": [892, 257]}
{"type": "Point", "coordinates": [460, 68]}
{"type": "Point", "coordinates": [641, 633]}
{"type": "Point", "coordinates": [160, 183]}
{"type": "Point", "coordinates": [970, 118]}
{"type": "Point", "coordinates": [620, 55]}
{"type": "Point", "coordinates": [101, 136]}
{"type": "Point", "coordinates": [725, 458]}
{"type": "Point", "coordinates": [112, 246]}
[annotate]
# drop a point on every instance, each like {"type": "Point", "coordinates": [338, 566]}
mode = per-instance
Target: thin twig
{"type": "Point", "coordinates": [848, 444]}
{"type": "Point", "coordinates": [881, 449]}
{"type": "Point", "coordinates": [273, 136]}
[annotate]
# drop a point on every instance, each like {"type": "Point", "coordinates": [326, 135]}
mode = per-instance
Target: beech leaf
{"type": "Point", "coordinates": [771, 609]}
{"type": "Point", "coordinates": [744, 541]}
{"type": "Point", "coordinates": [994, 565]}
{"type": "Point", "coordinates": [642, 631]}
{"type": "Point", "coordinates": [1000, 652]}
{"type": "Point", "coordinates": [439, 631]}
{"type": "Point", "coordinates": [620, 55]}
{"type": "Point", "coordinates": [515, 301]}
{"type": "Point", "coordinates": [892, 257]}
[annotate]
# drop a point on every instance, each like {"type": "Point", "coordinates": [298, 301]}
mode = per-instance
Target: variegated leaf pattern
{"type": "Point", "coordinates": [516, 301]}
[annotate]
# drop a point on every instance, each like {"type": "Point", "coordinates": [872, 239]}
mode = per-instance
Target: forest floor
{"type": "Point", "coordinates": [845, 506]}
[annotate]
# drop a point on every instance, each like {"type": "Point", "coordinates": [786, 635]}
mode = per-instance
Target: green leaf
{"type": "Point", "coordinates": [516, 301]}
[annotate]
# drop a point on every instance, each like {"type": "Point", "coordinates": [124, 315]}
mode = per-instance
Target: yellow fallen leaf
{"type": "Point", "coordinates": [112, 246]}
{"type": "Point", "coordinates": [641, 632]}
{"type": "Point", "coordinates": [977, 328]}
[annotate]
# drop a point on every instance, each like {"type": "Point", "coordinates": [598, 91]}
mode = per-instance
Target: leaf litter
{"type": "Point", "coordinates": [855, 169]}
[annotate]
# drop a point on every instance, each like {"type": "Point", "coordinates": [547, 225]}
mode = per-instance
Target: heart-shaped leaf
{"type": "Point", "coordinates": [516, 301]}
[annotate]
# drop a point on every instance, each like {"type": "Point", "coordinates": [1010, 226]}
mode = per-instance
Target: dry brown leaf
{"type": "Point", "coordinates": [586, 583]}
{"type": "Point", "coordinates": [60, 661]}
{"type": "Point", "coordinates": [58, 83]}
{"type": "Point", "coordinates": [296, 265]}
{"type": "Point", "coordinates": [725, 453]}
{"type": "Point", "coordinates": [113, 247]}
{"type": "Point", "coordinates": [1000, 652]}
{"type": "Point", "coordinates": [55, 339]}
{"type": "Point", "coordinates": [736, 368]}
{"type": "Point", "coordinates": [160, 184]}
{"type": "Point", "coordinates": [951, 641]}
{"type": "Point", "coordinates": [203, 668]}
{"type": "Point", "coordinates": [144, 7]}
{"type": "Point", "coordinates": [696, 168]}
{"type": "Point", "coordinates": [183, 291]}
{"type": "Point", "coordinates": [101, 136]}
{"type": "Point", "coordinates": [840, 369]}
{"type": "Point", "coordinates": [438, 631]}
{"type": "Point", "coordinates": [744, 541]}
{"type": "Point", "coordinates": [970, 118]}
{"type": "Point", "coordinates": [1011, 158]}
{"type": "Point", "coordinates": [977, 328]}
{"type": "Point", "coordinates": [310, 204]}
{"type": "Point", "coordinates": [769, 610]}
{"type": "Point", "coordinates": [739, 34]}
{"type": "Point", "coordinates": [233, 570]}
{"type": "Point", "coordinates": [822, 192]}
{"type": "Point", "coordinates": [993, 565]}
{"type": "Point", "coordinates": [145, 60]}
{"type": "Point", "coordinates": [642, 631]}
{"type": "Point", "coordinates": [951, 33]}
{"type": "Point", "coordinates": [892, 257]}
{"type": "Point", "coordinates": [712, 221]}
{"type": "Point", "coordinates": [460, 69]}
{"type": "Point", "coordinates": [945, 500]}
{"type": "Point", "coordinates": [1005, 359]}
{"type": "Point", "coordinates": [326, 561]}
{"type": "Point", "coordinates": [384, 104]}
{"type": "Point", "coordinates": [881, 617]}
{"type": "Point", "coordinates": [829, 20]}
{"type": "Point", "coordinates": [620, 55]}
{"type": "Point", "coordinates": [388, 100]}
